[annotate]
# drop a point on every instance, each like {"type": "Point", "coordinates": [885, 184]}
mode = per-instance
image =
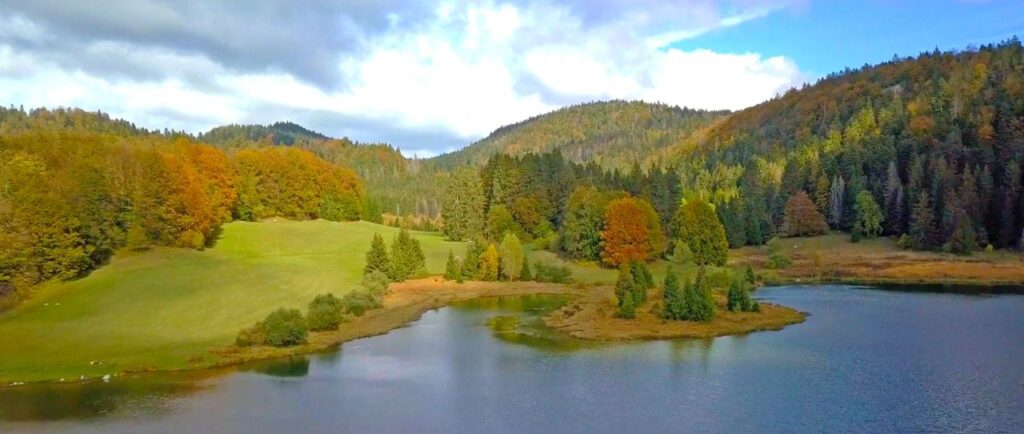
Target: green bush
{"type": "Point", "coordinates": [324, 313]}
{"type": "Point", "coordinates": [719, 278]}
{"type": "Point", "coordinates": [285, 328]}
{"type": "Point", "coordinates": [358, 302]}
{"type": "Point", "coordinates": [905, 242]}
{"type": "Point", "coordinates": [551, 273]}
{"type": "Point", "coordinates": [778, 261]}
{"type": "Point", "coordinates": [376, 283]}
{"type": "Point", "coordinates": [282, 328]}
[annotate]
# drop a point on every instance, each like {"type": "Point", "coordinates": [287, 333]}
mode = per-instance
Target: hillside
{"type": "Point", "coordinates": [936, 141]}
{"type": "Point", "coordinates": [278, 133]}
{"type": "Point", "coordinates": [614, 134]}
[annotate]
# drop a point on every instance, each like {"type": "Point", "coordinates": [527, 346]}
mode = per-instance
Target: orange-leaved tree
{"type": "Point", "coordinates": [625, 237]}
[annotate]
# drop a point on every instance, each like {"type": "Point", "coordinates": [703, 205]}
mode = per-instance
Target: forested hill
{"type": "Point", "coordinates": [936, 141]}
{"type": "Point", "coordinates": [615, 134]}
{"type": "Point", "coordinates": [278, 133]}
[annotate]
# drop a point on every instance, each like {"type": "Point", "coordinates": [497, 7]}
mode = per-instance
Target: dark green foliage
{"type": "Point", "coordinates": [451, 268]}
{"type": "Point", "coordinates": [642, 281]}
{"type": "Point", "coordinates": [673, 299]}
{"type": "Point", "coordinates": [738, 297]}
{"type": "Point", "coordinates": [377, 256]}
{"type": "Point", "coordinates": [627, 307]}
{"type": "Point", "coordinates": [471, 264]}
{"type": "Point", "coordinates": [500, 222]}
{"type": "Point", "coordinates": [358, 302]}
{"type": "Point", "coordinates": [324, 313]}
{"type": "Point", "coordinates": [282, 328]}
{"type": "Point", "coordinates": [697, 225]}
{"type": "Point", "coordinates": [407, 258]}
{"type": "Point", "coordinates": [551, 273]}
{"type": "Point", "coordinates": [749, 275]}
{"type": "Point", "coordinates": [526, 274]}
{"type": "Point", "coordinates": [340, 207]}
{"type": "Point", "coordinates": [922, 224]}
{"type": "Point", "coordinates": [700, 305]}
{"type": "Point", "coordinates": [624, 285]}
{"type": "Point", "coordinates": [463, 205]}
{"type": "Point", "coordinates": [581, 226]}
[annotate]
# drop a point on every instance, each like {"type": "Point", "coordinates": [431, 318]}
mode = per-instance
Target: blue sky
{"type": "Point", "coordinates": [827, 36]}
{"type": "Point", "coordinates": [431, 77]}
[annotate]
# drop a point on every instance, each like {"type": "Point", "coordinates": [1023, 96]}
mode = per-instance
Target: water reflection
{"type": "Point", "coordinates": [296, 366]}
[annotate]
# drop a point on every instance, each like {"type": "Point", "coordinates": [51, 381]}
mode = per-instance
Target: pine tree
{"type": "Point", "coordinates": [463, 207]}
{"type": "Point", "coordinates": [836, 202]}
{"type": "Point", "coordinates": [407, 257]}
{"type": "Point", "coordinates": [672, 296]}
{"type": "Point", "coordinates": [624, 284]}
{"type": "Point", "coordinates": [377, 257]}
{"type": "Point", "coordinates": [471, 264]}
{"type": "Point", "coordinates": [750, 276]}
{"type": "Point", "coordinates": [452, 270]}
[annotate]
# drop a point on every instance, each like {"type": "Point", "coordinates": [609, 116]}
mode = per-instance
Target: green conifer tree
{"type": "Point", "coordinates": [377, 257]}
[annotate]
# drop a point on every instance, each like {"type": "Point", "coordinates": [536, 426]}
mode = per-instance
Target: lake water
{"type": "Point", "coordinates": [865, 361]}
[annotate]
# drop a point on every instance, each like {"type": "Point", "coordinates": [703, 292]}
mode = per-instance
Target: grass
{"type": "Point", "coordinates": [167, 308]}
{"type": "Point", "coordinates": [834, 258]}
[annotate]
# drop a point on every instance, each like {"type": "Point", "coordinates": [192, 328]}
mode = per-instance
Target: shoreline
{"type": "Point", "coordinates": [409, 300]}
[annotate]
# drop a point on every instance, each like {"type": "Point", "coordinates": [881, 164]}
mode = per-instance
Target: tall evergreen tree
{"type": "Point", "coordinates": [922, 223]}
{"type": "Point", "coordinates": [377, 257]}
{"type": "Point", "coordinates": [463, 205]}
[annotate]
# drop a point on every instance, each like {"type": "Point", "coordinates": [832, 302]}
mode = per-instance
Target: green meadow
{"type": "Point", "coordinates": [162, 308]}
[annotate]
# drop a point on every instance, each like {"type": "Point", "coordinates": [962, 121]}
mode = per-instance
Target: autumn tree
{"type": "Point", "coordinates": [802, 217]}
{"type": "Point", "coordinates": [625, 237]}
{"type": "Point", "coordinates": [490, 264]}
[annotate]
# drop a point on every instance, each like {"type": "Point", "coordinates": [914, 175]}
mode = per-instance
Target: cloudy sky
{"type": "Point", "coordinates": [431, 77]}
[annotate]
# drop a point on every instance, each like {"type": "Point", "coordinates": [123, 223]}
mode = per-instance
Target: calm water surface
{"type": "Point", "coordinates": [865, 361]}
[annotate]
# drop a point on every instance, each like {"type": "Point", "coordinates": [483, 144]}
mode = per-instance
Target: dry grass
{"type": "Point", "coordinates": [834, 258]}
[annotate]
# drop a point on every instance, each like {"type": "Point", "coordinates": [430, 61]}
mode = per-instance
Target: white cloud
{"type": "Point", "coordinates": [467, 70]}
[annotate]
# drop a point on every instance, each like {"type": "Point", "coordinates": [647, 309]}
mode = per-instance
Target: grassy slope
{"type": "Point", "coordinates": [162, 307]}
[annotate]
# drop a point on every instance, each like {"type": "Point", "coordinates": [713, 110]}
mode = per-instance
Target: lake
{"type": "Point", "coordinates": [866, 360]}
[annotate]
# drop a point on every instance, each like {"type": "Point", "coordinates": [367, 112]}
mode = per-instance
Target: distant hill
{"type": "Point", "coordinates": [614, 134]}
{"type": "Point", "coordinates": [278, 133]}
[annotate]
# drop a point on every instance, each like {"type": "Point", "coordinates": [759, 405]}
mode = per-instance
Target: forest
{"type": "Point", "coordinates": [925, 149]}
{"type": "Point", "coordinates": [77, 186]}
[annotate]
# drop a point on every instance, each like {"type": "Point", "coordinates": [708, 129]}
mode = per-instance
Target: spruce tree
{"type": "Point", "coordinates": [471, 264]}
{"type": "Point", "coordinates": [451, 268]}
{"type": "Point", "coordinates": [672, 297]}
{"type": "Point", "coordinates": [624, 284]}
{"type": "Point", "coordinates": [377, 257]}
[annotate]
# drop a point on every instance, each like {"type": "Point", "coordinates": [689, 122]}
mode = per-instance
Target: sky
{"type": "Point", "coordinates": [431, 77]}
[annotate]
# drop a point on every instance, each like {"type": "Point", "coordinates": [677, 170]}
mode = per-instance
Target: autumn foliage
{"type": "Point", "coordinates": [802, 217]}
{"type": "Point", "coordinates": [625, 237]}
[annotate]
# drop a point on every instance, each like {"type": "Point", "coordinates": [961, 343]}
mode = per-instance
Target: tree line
{"type": "Point", "coordinates": [75, 190]}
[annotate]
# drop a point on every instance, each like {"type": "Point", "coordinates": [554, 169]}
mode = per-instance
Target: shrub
{"type": "Point", "coordinates": [682, 254]}
{"type": "Point", "coordinates": [358, 302]}
{"type": "Point", "coordinates": [285, 328]}
{"type": "Point", "coordinates": [376, 283]}
{"type": "Point", "coordinates": [778, 261]}
{"type": "Point", "coordinates": [282, 328]}
{"type": "Point", "coordinates": [905, 242]}
{"type": "Point", "coordinates": [324, 313]}
{"type": "Point", "coordinates": [720, 278]}
{"type": "Point", "coordinates": [989, 248]}
{"type": "Point", "coordinates": [543, 272]}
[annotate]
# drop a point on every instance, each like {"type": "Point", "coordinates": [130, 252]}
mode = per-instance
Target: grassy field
{"type": "Point", "coordinates": [160, 308]}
